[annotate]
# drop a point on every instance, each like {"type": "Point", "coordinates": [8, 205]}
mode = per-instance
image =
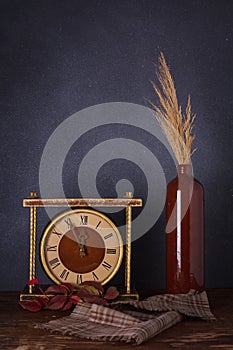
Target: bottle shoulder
{"type": "Point", "coordinates": [176, 182]}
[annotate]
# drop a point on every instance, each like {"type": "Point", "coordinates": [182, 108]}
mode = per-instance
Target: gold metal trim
{"type": "Point", "coordinates": [32, 262]}
{"type": "Point", "coordinates": [33, 202]}
{"type": "Point", "coordinates": [82, 202]}
{"type": "Point", "coordinates": [128, 250]}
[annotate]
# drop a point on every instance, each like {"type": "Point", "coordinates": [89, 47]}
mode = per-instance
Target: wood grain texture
{"type": "Point", "coordinates": [17, 329]}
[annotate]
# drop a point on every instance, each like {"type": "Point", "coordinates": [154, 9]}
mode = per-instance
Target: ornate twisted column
{"type": "Point", "coordinates": [32, 261]}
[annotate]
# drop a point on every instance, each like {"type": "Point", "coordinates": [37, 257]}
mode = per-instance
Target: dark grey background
{"type": "Point", "coordinates": [58, 57]}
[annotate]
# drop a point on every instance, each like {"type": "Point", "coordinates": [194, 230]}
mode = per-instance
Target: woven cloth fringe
{"type": "Point", "coordinates": [133, 321]}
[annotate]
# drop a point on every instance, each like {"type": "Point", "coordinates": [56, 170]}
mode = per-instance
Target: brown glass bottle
{"type": "Point", "coordinates": [184, 233]}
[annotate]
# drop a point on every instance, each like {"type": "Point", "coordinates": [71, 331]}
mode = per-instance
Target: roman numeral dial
{"type": "Point", "coordinates": [81, 245]}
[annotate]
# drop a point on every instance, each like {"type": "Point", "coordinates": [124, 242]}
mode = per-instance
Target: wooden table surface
{"type": "Point", "coordinates": [17, 329]}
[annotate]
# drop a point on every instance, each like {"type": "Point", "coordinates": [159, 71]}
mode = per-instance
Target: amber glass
{"type": "Point", "coordinates": [184, 233]}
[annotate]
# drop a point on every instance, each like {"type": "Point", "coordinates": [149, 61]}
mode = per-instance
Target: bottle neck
{"type": "Point", "coordinates": [185, 170]}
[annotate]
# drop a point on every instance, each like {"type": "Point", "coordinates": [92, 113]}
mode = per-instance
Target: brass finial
{"type": "Point", "coordinates": [128, 195]}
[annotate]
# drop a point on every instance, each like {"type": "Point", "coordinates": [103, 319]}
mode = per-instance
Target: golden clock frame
{"type": "Point", "coordinates": [33, 202]}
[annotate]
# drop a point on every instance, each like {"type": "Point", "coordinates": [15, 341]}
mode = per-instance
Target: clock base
{"type": "Point", "coordinates": [25, 295]}
{"type": "Point", "coordinates": [127, 296]}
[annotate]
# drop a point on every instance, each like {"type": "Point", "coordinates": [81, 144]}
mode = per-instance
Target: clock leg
{"type": "Point", "coordinates": [128, 249]}
{"type": "Point", "coordinates": [128, 293]}
{"type": "Point", "coordinates": [32, 262]}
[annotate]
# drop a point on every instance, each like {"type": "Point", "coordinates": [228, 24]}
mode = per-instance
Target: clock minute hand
{"type": "Point", "coordinates": [81, 238]}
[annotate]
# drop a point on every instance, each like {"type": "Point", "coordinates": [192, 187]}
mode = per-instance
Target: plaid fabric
{"type": "Point", "coordinates": [133, 321]}
{"type": "Point", "coordinates": [190, 304]}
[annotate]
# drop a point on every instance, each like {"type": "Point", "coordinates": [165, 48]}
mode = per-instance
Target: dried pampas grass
{"type": "Point", "coordinates": [176, 126]}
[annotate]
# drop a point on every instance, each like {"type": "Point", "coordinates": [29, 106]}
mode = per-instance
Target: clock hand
{"type": "Point", "coordinates": [82, 239]}
{"type": "Point", "coordinates": [82, 251]}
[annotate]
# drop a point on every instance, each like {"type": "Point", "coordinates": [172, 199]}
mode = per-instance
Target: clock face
{"type": "Point", "coordinates": [81, 245]}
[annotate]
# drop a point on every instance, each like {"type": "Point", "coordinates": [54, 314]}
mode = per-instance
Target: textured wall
{"type": "Point", "coordinates": [59, 57]}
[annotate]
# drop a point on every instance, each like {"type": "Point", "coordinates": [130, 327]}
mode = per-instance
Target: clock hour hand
{"type": "Point", "coordinates": [82, 240]}
{"type": "Point", "coordinates": [82, 251]}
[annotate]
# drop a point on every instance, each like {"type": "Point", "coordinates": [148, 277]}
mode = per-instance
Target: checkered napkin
{"type": "Point", "coordinates": [133, 321]}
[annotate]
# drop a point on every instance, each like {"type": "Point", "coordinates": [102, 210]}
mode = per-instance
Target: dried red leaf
{"type": "Point", "coordinates": [57, 302]}
{"type": "Point", "coordinates": [43, 301]}
{"type": "Point", "coordinates": [94, 284]}
{"type": "Point", "coordinates": [33, 281]}
{"type": "Point", "coordinates": [82, 293]}
{"type": "Point", "coordinates": [60, 289]}
{"type": "Point", "coordinates": [75, 299]}
{"type": "Point", "coordinates": [32, 305]}
{"type": "Point", "coordinates": [88, 290]}
{"type": "Point", "coordinates": [111, 293]}
{"type": "Point", "coordinates": [94, 299]}
{"type": "Point", "coordinates": [71, 301]}
{"type": "Point", "coordinates": [63, 298]}
{"type": "Point", "coordinates": [69, 287]}
{"type": "Point", "coordinates": [68, 305]}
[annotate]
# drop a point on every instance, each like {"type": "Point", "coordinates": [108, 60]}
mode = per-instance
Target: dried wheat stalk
{"type": "Point", "coordinates": [176, 126]}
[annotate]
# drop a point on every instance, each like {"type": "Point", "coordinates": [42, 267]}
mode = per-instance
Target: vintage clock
{"type": "Point", "coordinates": [81, 244]}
